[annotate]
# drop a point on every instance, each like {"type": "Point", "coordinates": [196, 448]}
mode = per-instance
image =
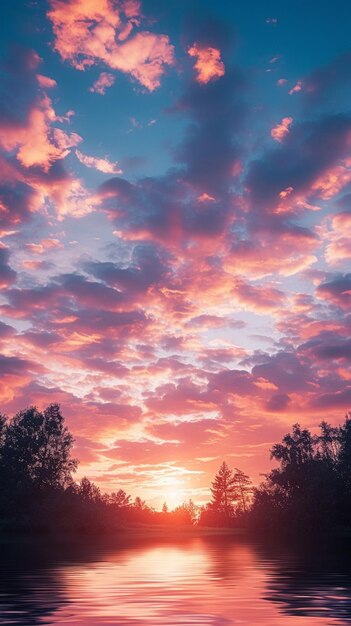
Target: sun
{"type": "Point", "coordinates": [174, 497]}
{"type": "Point", "coordinates": [173, 492]}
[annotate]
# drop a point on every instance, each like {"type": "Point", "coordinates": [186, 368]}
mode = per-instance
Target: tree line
{"type": "Point", "coordinates": [308, 490]}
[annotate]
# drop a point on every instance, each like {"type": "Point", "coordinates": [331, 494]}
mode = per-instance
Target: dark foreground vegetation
{"type": "Point", "coordinates": [308, 491]}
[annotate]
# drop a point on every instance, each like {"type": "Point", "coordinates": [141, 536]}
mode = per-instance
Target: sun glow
{"type": "Point", "coordinates": [174, 493]}
{"type": "Point", "coordinates": [174, 498]}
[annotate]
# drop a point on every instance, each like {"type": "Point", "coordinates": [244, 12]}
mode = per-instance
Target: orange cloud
{"type": "Point", "coordinates": [103, 165]}
{"type": "Point", "coordinates": [331, 182]}
{"type": "Point", "coordinates": [94, 31]}
{"type": "Point", "coordinates": [280, 130]}
{"type": "Point", "coordinates": [208, 63]}
{"type": "Point", "coordinates": [36, 143]}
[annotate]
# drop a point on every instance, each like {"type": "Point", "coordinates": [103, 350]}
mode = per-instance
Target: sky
{"type": "Point", "coordinates": [175, 223]}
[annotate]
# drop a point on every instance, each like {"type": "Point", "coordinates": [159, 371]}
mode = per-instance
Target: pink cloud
{"type": "Point", "coordinates": [103, 165]}
{"type": "Point", "coordinates": [326, 185]}
{"type": "Point", "coordinates": [68, 195]}
{"type": "Point", "coordinates": [332, 181]}
{"type": "Point", "coordinates": [44, 246]}
{"type": "Point", "coordinates": [15, 373]}
{"type": "Point", "coordinates": [338, 239]}
{"type": "Point", "coordinates": [285, 255]}
{"type": "Point", "coordinates": [7, 274]}
{"type": "Point", "coordinates": [104, 81]}
{"type": "Point", "coordinates": [260, 298]}
{"type": "Point", "coordinates": [208, 64]}
{"type": "Point", "coordinates": [35, 142]}
{"type": "Point", "coordinates": [205, 197]}
{"type": "Point", "coordinates": [45, 82]}
{"type": "Point", "coordinates": [337, 291]}
{"type": "Point", "coordinates": [86, 34]}
{"type": "Point", "coordinates": [280, 130]}
{"type": "Point", "coordinates": [34, 265]}
{"type": "Point", "coordinates": [296, 88]}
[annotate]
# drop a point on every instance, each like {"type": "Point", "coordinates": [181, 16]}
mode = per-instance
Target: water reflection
{"type": "Point", "coordinates": [314, 583]}
{"type": "Point", "coordinates": [207, 582]}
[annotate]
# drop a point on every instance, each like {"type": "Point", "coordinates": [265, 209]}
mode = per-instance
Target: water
{"type": "Point", "coordinates": [194, 581]}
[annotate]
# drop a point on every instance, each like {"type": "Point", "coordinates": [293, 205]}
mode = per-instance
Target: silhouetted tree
{"type": "Point", "coordinates": [311, 488]}
{"type": "Point", "coordinates": [192, 510]}
{"type": "Point", "coordinates": [36, 450]}
{"type": "Point", "coordinates": [2, 431]}
{"type": "Point", "coordinates": [243, 489]}
{"type": "Point", "coordinates": [140, 504]}
{"type": "Point", "coordinates": [296, 448]}
{"type": "Point", "coordinates": [119, 499]}
{"type": "Point", "coordinates": [180, 516]}
{"type": "Point", "coordinates": [328, 442]}
{"type": "Point", "coordinates": [224, 490]}
{"type": "Point", "coordinates": [87, 491]}
{"type": "Point", "coordinates": [344, 456]}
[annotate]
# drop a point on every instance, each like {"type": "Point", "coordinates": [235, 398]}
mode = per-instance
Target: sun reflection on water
{"type": "Point", "coordinates": [193, 581]}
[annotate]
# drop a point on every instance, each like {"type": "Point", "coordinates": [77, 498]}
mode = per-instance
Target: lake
{"type": "Point", "coordinates": [215, 581]}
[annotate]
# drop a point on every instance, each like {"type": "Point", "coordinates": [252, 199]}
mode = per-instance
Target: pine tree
{"type": "Point", "coordinates": [244, 489]}
{"type": "Point", "coordinates": [224, 490]}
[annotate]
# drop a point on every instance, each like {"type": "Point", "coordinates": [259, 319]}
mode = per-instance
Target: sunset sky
{"type": "Point", "coordinates": [175, 221]}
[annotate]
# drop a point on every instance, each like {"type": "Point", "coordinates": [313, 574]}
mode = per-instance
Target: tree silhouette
{"type": "Point", "coordinates": [311, 488]}
{"type": "Point", "coordinates": [244, 489]}
{"type": "Point", "coordinates": [87, 491]}
{"type": "Point", "coordinates": [192, 510]}
{"type": "Point", "coordinates": [344, 457]}
{"type": "Point", "coordinates": [140, 504]}
{"type": "Point", "coordinates": [36, 450]}
{"type": "Point", "coordinates": [224, 490]}
{"type": "Point", "coordinates": [295, 449]}
{"type": "Point", "coordinates": [119, 499]}
{"type": "Point", "coordinates": [329, 442]}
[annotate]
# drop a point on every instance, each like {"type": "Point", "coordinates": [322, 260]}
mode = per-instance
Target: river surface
{"type": "Point", "coordinates": [195, 581]}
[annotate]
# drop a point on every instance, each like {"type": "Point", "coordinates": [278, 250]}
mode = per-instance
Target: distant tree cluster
{"type": "Point", "coordinates": [231, 498]}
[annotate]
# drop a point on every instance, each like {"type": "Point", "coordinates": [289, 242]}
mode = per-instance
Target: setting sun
{"type": "Point", "coordinates": [174, 497]}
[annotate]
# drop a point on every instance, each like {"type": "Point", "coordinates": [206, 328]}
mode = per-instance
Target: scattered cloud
{"type": "Point", "coordinates": [208, 64]}
{"type": "Point", "coordinates": [102, 165]}
{"type": "Point", "coordinates": [296, 88]}
{"type": "Point", "coordinates": [103, 82]}
{"type": "Point", "coordinates": [280, 130]}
